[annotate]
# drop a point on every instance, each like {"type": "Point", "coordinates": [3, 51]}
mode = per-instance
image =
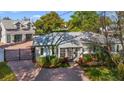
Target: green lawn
{"type": "Point", "coordinates": [100, 73]}
{"type": "Point", "coordinates": [6, 73]}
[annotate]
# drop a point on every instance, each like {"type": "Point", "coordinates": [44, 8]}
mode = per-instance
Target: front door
{"type": "Point", "coordinates": [72, 53]}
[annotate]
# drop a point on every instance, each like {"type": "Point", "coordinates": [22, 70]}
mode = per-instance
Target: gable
{"type": "Point", "coordinates": [13, 24]}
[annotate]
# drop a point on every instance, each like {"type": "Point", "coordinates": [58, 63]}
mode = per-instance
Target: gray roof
{"type": "Point", "coordinates": [11, 24]}
{"type": "Point", "coordinates": [56, 38]}
{"type": "Point", "coordinates": [25, 22]}
{"type": "Point", "coordinates": [71, 39]}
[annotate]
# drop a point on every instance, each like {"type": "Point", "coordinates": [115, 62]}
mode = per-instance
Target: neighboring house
{"type": "Point", "coordinates": [16, 30]}
{"type": "Point", "coordinates": [70, 44]}
{"type": "Point", "coordinates": [110, 30]}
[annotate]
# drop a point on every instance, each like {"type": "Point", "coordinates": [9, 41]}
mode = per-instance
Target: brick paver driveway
{"type": "Point", "coordinates": [27, 44]}
{"type": "Point", "coordinates": [73, 73]}
{"type": "Point", "coordinates": [24, 70]}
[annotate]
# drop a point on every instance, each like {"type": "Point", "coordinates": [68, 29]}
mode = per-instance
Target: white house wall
{"type": "Point", "coordinates": [23, 37]}
{"type": "Point", "coordinates": [120, 47]}
{"type": "Point", "coordinates": [4, 37]}
{"type": "Point", "coordinates": [46, 51]}
{"type": "Point", "coordinates": [37, 52]}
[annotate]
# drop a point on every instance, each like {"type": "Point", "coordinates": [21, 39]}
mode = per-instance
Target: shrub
{"type": "Point", "coordinates": [119, 65]}
{"type": "Point", "coordinates": [64, 65]}
{"type": "Point", "coordinates": [6, 74]}
{"type": "Point", "coordinates": [87, 58]}
{"type": "Point", "coordinates": [100, 73]}
{"type": "Point", "coordinates": [54, 62]}
{"type": "Point", "coordinates": [80, 60]}
{"type": "Point", "coordinates": [120, 69]}
{"type": "Point", "coordinates": [41, 61]}
{"type": "Point", "coordinates": [103, 55]}
{"type": "Point", "coordinates": [61, 60]}
{"type": "Point", "coordinates": [117, 58]}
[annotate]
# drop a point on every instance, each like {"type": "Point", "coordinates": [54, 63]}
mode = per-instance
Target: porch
{"type": "Point", "coordinates": [69, 52]}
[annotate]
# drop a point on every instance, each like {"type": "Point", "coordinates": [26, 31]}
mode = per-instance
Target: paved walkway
{"type": "Point", "coordinates": [27, 44]}
{"type": "Point", "coordinates": [73, 73]}
{"type": "Point", "coordinates": [24, 70]}
{"type": "Point", "coordinates": [24, 45]}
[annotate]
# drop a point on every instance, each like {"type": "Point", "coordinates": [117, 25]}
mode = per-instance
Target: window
{"type": "Point", "coordinates": [117, 48]}
{"type": "Point", "coordinates": [41, 51]}
{"type": "Point", "coordinates": [18, 25]}
{"type": "Point", "coordinates": [28, 37]}
{"type": "Point", "coordinates": [113, 48]}
{"type": "Point", "coordinates": [62, 52]}
{"type": "Point", "coordinates": [17, 38]}
{"type": "Point", "coordinates": [29, 26]}
{"type": "Point", "coordinates": [94, 49]}
{"type": "Point", "coordinates": [8, 38]}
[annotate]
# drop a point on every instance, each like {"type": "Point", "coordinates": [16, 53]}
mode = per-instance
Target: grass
{"type": "Point", "coordinates": [101, 73]}
{"type": "Point", "coordinates": [6, 73]}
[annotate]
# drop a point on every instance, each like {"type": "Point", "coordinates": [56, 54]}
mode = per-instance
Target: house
{"type": "Point", "coordinates": [111, 30]}
{"type": "Point", "coordinates": [12, 31]}
{"type": "Point", "coordinates": [71, 44]}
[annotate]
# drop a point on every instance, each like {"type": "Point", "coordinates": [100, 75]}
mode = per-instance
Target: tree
{"type": "Point", "coordinates": [49, 22]}
{"type": "Point", "coordinates": [84, 21]}
{"type": "Point", "coordinates": [105, 22]}
{"type": "Point", "coordinates": [39, 32]}
{"type": "Point", "coordinates": [119, 26]}
{"type": "Point", "coordinates": [38, 24]}
{"type": "Point", "coordinates": [6, 18]}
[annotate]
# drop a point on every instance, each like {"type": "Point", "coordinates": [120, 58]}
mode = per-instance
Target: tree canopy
{"type": "Point", "coordinates": [104, 19]}
{"type": "Point", "coordinates": [84, 21]}
{"type": "Point", "coordinates": [49, 22]}
{"type": "Point", "coordinates": [80, 21]}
